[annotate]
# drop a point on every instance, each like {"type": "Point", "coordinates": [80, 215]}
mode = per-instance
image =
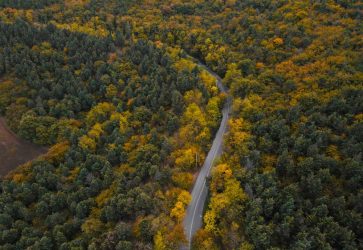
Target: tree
{"type": "Point", "coordinates": [177, 102]}
{"type": "Point", "coordinates": [209, 81]}
{"type": "Point", "coordinates": [203, 240]}
{"type": "Point", "coordinates": [183, 180]}
{"type": "Point", "coordinates": [213, 112]}
{"type": "Point", "coordinates": [159, 242]}
{"type": "Point", "coordinates": [178, 211]}
{"type": "Point", "coordinates": [124, 245]}
{"type": "Point", "coordinates": [99, 113]}
{"type": "Point", "coordinates": [37, 128]}
{"type": "Point", "coordinates": [185, 158]}
{"type": "Point", "coordinates": [87, 143]}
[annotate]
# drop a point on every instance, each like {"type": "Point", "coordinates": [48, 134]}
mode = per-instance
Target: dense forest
{"type": "Point", "coordinates": [111, 87]}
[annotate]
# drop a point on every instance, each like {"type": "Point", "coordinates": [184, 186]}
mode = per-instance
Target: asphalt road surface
{"type": "Point", "coordinates": [193, 219]}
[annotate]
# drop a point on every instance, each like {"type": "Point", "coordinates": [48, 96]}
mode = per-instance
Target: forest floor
{"type": "Point", "coordinates": [15, 151]}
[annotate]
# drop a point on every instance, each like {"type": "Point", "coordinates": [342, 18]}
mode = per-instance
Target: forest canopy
{"type": "Point", "coordinates": [111, 87]}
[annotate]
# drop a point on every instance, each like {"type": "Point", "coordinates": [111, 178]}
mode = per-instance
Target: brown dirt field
{"type": "Point", "coordinates": [15, 151]}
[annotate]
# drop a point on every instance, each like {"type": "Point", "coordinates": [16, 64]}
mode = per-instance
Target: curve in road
{"type": "Point", "coordinates": [193, 218]}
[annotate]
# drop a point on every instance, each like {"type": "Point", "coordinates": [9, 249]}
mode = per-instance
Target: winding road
{"type": "Point", "coordinates": [193, 218]}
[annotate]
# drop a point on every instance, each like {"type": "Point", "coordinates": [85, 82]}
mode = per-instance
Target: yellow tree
{"type": "Point", "coordinates": [159, 242]}
{"type": "Point", "coordinates": [183, 179]}
{"type": "Point", "coordinates": [111, 91]}
{"type": "Point", "coordinates": [87, 143]}
{"type": "Point", "coordinates": [96, 131]}
{"type": "Point", "coordinates": [213, 111]}
{"type": "Point", "coordinates": [203, 240]}
{"type": "Point", "coordinates": [178, 211]}
{"type": "Point", "coordinates": [195, 118]}
{"type": "Point", "coordinates": [193, 96]}
{"type": "Point", "coordinates": [100, 112]}
{"type": "Point", "coordinates": [239, 136]}
{"type": "Point", "coordinates": [232, 74]}
{"type": "Point", "coordinates": [226, 194]}
{"type": "Point", "coordinates": [209, 81]}
{"type": "Point", "coordinates": [185, 158]}
{"type": "Point", "coordinates": [221, 174]}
